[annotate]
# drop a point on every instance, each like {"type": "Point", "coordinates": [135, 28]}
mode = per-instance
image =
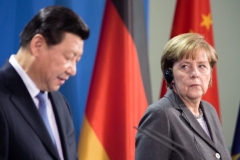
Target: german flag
{"type": "Point", "coordinates": [117, 98]}
{"type": "Point", "coordinates": [195, 16]}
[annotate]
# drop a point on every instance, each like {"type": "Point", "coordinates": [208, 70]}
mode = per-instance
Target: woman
{"type": "Point", "coordinates": [181, 116]}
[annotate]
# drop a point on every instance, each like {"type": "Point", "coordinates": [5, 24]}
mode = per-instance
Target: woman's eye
{"type": "Point", "coordinates": [184, 66]}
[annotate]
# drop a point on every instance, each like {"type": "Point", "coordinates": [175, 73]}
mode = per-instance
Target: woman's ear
{"type": "Point", "coordinates": [172, 84]}
{"type": "Point", "coordinates": [210, 82]}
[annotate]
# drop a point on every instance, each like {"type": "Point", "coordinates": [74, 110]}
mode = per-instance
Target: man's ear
{"type": "Point", "coordinates": [36, 44]}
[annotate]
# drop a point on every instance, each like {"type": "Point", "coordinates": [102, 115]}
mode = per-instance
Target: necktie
{"type": "Point", "coordinates": [43, 112]}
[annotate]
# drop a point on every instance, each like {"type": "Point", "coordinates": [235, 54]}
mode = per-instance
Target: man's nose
{"type": "Point", "coordinates": [72, 69]}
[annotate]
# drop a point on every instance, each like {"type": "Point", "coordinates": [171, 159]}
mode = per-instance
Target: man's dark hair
{"type": "Point", "coordinates": [52, 22]}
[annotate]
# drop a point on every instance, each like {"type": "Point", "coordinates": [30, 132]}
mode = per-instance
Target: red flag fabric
{"type": "Point", "coordinates": [117, 98]}
{"type": "Point", "coordinates": [195, 16]}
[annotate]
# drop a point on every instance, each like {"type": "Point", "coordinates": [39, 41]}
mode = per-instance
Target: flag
{"type": "Point", "coordinates": [236, 140]}
{"type": "Point", "coordinates": [117, 98]}
{"type": "Point", "coordinates": [195, 16]}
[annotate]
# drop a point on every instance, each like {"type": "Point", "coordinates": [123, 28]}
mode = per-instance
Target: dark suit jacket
{"type": "Point", "coordinates": [170, 117]}
{"type": "Point", "coordinates": [23, 135]}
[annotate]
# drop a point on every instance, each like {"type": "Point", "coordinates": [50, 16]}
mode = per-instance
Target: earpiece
{"type": "Point", "coordinates": [168, 75]}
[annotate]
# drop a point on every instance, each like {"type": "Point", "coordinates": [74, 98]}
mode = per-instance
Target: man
{"type": "Point", "coordinates": [35, 119]}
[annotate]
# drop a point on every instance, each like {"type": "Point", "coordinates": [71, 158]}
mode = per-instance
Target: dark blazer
{"type": "Point", "coordinates": [170, 117]}
{"type": "Point", "coordinates": [23, 135]}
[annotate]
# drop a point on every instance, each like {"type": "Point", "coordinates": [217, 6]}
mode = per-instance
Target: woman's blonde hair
{"type": "Point", "coordinates": [186, 45]}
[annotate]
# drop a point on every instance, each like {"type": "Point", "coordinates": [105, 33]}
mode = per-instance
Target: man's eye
{"type": "Point", "coordinates": [68, 57]}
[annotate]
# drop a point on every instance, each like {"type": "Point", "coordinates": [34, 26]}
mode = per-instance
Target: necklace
{"type": "Point", "coordinates": [200, 114]}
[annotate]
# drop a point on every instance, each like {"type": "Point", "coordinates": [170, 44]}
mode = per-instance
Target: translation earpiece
{"type": "Point", "coordinates": [168, 75]}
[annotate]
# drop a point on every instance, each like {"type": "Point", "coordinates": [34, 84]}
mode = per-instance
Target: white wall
{"type": "Point", "coordinates": [226, 26]}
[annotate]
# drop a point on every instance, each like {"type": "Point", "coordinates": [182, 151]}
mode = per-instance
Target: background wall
{"type": "Point", "coordinates": [226, 25]}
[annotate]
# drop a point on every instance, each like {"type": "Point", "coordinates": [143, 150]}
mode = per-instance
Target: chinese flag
{"type": "Point", "coordinates": [195, 16]}
{"type": "Point", "coordinates": [117, 98]}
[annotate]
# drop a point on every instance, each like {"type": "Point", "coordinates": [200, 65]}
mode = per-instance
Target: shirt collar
{"type": "Point", "coordinates": [31, 86]}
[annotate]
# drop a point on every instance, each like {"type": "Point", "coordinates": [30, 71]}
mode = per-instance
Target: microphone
{"type": "Point", "coordinates": [154, 135]}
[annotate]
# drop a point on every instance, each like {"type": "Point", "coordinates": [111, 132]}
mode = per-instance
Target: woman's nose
{"type": "Point", "coordinates": [194, 72]}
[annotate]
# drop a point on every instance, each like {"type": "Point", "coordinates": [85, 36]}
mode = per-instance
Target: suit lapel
{"type": "Point", "coordinates": [23, 102]}
{"type": "Point", "coordinates": [210, 124]}
{"type": "Point", "coordinates": [57, 104]}
{"type": "Point", "coordinates": [189, 117]}
{"type": "Point", "coordinates": [195, 126]}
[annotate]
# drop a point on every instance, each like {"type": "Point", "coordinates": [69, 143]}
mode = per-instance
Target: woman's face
{"type": "Point", "coordinates": [192, 77]}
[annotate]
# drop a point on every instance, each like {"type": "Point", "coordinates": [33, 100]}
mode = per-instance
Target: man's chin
{"type": "Point", "coordinates": [55, 88]}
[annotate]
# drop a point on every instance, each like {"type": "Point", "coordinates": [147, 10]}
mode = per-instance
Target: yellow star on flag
{"type": "Point", "coordinates": [191, 31]}
{"type": "Point", "coordinates": [206, 21]}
